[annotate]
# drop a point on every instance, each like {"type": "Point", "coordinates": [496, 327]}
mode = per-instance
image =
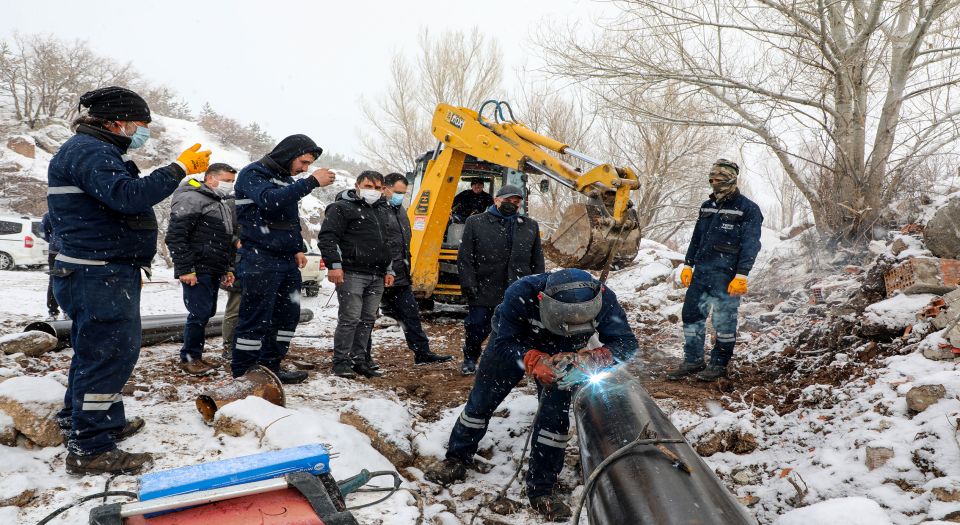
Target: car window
{"type": "Point", "coordinates": [35, 228]}
{"type": "Point", "coordinates": [7, 227]}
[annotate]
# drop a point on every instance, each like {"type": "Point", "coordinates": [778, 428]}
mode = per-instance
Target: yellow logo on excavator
{"type": "Point", "coordinates": [455, 119]}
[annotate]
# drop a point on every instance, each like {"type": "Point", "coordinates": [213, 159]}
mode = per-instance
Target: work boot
{"type": "Point", "coordinates": [227, 353]}
{"type": "Point", "coordinates": [684, 370]}
{"type": "Point", "coordinates": [131, 427]}
{"type": "Point", "coordinates": [365, 370]}
{"type": "Point", "coordinates": [197, 367]}
{"type": "Point", "coordinates": [469, 367]}
{"type": "Point", "coordinates": [425, 358]}
{"type": "Point", "coordinates": [551, 507]}
{"type": "Point", "coordinates": [372, 365]}
{"type": "Point", "coordinates": [344, 370]}
{"type": "Point", "coordinates": [291, 377]}
{"type": "Point", "coordinates": [713, 373]}
{"type": "Point", "coordinates": [446, 472]}
{"type": "Point", "coordinates": [212, 361]}
{"type": "Point", "coordinates": [115, 461]}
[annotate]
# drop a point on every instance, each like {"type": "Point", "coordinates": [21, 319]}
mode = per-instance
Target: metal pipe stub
{"type": "Point", "coordinates": [258, 381]}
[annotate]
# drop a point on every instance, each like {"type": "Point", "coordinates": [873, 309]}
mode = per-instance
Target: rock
{"type": "Point", "coordinates": [16, 490]}
{"type": "Point", "coordinates": [877, 456]}
{"type": "Point", "coordinates": [49, 138]}
{"type": "Point", "coordinates": [504, 505]}
{"type": "Point", "coordinates": [938, 353]}
{"type": "Point", "coordinates": [32, 343]}
{"type": "Point", "coordinates": [745, 476]}
{"type": "Point", "coordinates": [921, 397]}
{"type": "Point", "coordinates": [898, 246]}
{"type": "Point", "coordinates": [945, 494]}
{"type": "Point", "coordinates": [388, 425]}
{"type": "Point", "coordinates": [749, 500]}
{"type": "Point", "coordinates": [8, 431]}
{"type": "Point", "coordinates": [23, 146]}
{"type": "Point", "coordinates": [940, 234]}
{"type": "Point", "coordinates": [470, 493]}
{"type": "Point", "coordinates": [32, 403]}
{"type": "Point", "coordinates": [734, 441]}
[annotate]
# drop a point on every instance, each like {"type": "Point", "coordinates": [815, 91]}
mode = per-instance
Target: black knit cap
{"type": "Point", "coordinates": [116, 103]}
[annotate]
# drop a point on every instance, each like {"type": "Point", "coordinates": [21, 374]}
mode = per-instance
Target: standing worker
{"type": "Point", "coordinates": [103, 211]}
{"type": "Point", "coordinates": [724, 246]}
{"type": "Point", "coordinates": [542, 328]}
{"type": "Point", "coordinates": [272, 253]}
{"type": "Point", "coordinates": [398, 301]}
{"type": "Point", "coordinates": [200, 239]}
{"type": "Point", "coordinates": [353, 242]}
{"type": "Point", "coordinates": [53, 248]}
{"type": "Point", "coordinates": [498, 247]}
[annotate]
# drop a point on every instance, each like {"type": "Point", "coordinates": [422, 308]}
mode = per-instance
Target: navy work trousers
{"type": "Point", "coordinates": [708, 291]}
{"type": "Point", "coordinates": [399, 303]}
{"type": "Point", "coordinates": [104, 303]}
{"type": "Point", "coordinates": [269, 311]}
{"type": "Point", "coordinates": [201, 302]}
{"type": "Point", "coordinates": [476, 327]}
{"type": "Point", "coordinates": [497, 375]}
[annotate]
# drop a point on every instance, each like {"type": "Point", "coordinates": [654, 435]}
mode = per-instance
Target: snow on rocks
{"type": "Point", "coordinates": [919, 398]}
{"type": "Point", "coordinates": [16, 490]}
{"type": "Point", "coordinates": [892, 316]}
{"type": "Point", "coordinates": [249, 416]}
{"type": "Point", "coordinates": [32, 343]}
{"type": "Point", "coordinates": [388, 424]}
{"type": "Point", "coordinates": [8, 431]}
{"type": "Point", "coordinates": [32, 403]}
{"type": "Point", "coordinates": [849, 511]}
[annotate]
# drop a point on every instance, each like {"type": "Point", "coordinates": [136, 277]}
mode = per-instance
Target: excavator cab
{"type": "Point", "coordinates": [492, 177]}
{"type": "Point", "coordinates": [494, 149]}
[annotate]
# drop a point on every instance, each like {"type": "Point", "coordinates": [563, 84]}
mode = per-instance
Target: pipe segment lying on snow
{"type": "Point", "coordinates": [644, 486]}
{"type": "Point", "coordinates": [156, 329]}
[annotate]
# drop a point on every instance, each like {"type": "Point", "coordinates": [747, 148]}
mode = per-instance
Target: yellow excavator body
{"type": "Point", "coordinates": [591, 235]}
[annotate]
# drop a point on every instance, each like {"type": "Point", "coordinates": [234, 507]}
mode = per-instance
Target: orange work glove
{"type": "Point", "coordinates": [738, 286]}
{"type": "Point", "coordinates": [686, 275]}
{"type": "Point", "coordinates": [193, 161]}
{"type": "Point", "coordinates": [537, 365]}
{"type": "Point", "coordinates": [595, 358]}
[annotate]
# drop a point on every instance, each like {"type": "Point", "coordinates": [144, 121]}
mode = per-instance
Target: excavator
{"type": "Point", "coordinates": [495, 150]}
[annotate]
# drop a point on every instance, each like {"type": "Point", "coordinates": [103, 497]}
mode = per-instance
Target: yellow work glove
{"type": "Point", "coordinates": [738, 286]}
{"type": "Point", "coordinates": [193, 160]}
{"type": "Point", "coordinates": [686, 275]}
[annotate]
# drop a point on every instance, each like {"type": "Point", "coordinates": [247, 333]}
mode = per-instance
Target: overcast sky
{"type": "Point", "coordinates": [293, 66]}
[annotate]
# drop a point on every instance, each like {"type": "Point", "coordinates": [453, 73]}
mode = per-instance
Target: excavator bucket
{"type": "Point", "coordinates": [586, 236]}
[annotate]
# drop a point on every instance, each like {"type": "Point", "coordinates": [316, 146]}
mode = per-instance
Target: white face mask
{"type": "Point", "coordinates": [224, 188]}
{"type": "Point", "coordinates": [369, 195]}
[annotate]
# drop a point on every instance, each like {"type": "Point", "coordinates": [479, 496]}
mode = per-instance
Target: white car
{"type": "Point", "coordinates": [21, 243]}
{"type": "Point", "coordinates": [312, 275]}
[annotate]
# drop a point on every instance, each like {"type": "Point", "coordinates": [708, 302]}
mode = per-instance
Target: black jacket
{"type": "Point", "coordinates": [354, 235]}
{"type": "Point", "coordinates": [398, 226]}
{"type": "Point", "coordinates": [487, 260]}
{"type": "Point", "coordinates": [727, 235]}
{"type": "Point", "coordinates": [201, 231]}
{"type": "Point", "coordinates": [468, 203]}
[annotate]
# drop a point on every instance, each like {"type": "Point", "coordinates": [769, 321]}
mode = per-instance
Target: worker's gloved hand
{"type": "Point", "coordinates": [595, 359]}
{"type": "Point", "coordinates": [686, 276]}
{"type": "Point", "coordinates": [193, 161]}
{"type": "Point", "coordinates": [738, 286]}
{"type": "Point", "coordinates": [538, 365]}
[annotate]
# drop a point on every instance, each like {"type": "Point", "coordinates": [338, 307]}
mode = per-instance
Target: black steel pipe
{"type": "Point", "coordinates": [156, 329]}
{"type": "Point", "coordinates": [644, 486]}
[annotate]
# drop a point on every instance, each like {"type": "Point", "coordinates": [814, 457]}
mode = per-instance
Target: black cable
{"type": "Point", "coordinates": [84, 499]}
{"type": "Point", "coordinates": [393, 490]}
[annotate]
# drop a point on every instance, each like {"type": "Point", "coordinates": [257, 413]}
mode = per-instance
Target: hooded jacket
{"type": "Point", "coordinates": [494, 252]}
{"type": "Point", "coordinates": [100, 206]}
{"type": "Point", "coordinates": [355, 235]}
{"type": "Point", "coordinates": [201, 230]}
{"type": "Point", "coordinates": [267, 197]}
{"type": "Point", "coordinates": [726, 237]}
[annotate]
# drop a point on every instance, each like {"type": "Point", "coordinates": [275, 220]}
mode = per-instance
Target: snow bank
{"type": "Point", "coordinates": [849, 511]}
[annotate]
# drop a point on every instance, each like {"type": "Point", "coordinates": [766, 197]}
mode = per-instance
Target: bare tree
{"type": "Point", "coordinates": [457, 68]}
{"type": "Point", "coordinates": [45, 76]}
{"type": "Point", "coordinates": [849, 96]}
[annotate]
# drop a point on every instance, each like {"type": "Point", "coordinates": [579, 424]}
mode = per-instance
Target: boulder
{"type": "Point", "coordinates": [23, 146]}
{"type": "Point", "coordinates": [877, 456]}
{"type": "Point", "coordinates": [735, 441]}
{"type": "Point", "coordinates": [941, 233]}
{"type": "Point", "coordinates": [919, 398]}
{"type": "Point", "coordinates": [8, 431]}
{"type": "Point", "coordinates": [32, 403]}
{"type": "Point", "coordinates": [32, 343]}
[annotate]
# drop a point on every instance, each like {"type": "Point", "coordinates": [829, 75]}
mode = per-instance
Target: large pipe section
{"type": "Point", "coordinates": [156, 329]}
{"type": "Point", "coordinates": [644, 485]}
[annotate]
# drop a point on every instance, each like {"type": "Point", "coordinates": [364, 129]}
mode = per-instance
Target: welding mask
{"type": "Point", "coordinates": [571, 308]}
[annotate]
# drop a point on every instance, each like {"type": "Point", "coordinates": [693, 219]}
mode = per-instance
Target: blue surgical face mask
{"type": "Point", "coordinates": [396, 199]}
{"type": "Point", "coordinates": [139, 137]}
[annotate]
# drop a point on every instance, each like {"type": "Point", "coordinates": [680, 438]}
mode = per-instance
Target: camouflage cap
{"type": "Point", "coordinates": [725, 168]}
